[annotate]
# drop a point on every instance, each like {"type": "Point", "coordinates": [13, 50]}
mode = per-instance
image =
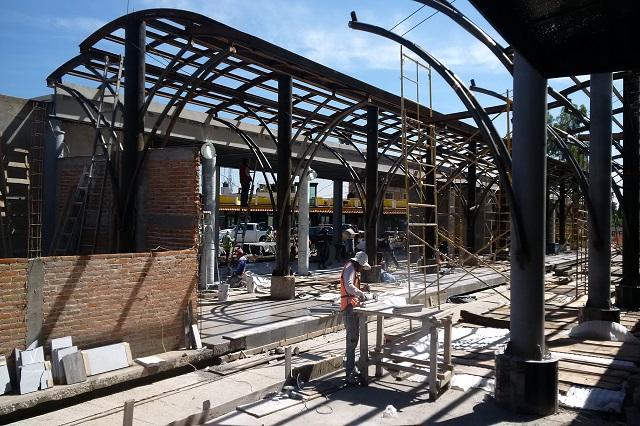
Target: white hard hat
{"type": "Point", "coordinates": [362, 259]}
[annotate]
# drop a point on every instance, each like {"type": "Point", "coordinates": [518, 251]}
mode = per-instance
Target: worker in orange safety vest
{"type": "Point", "coordinates": [350, 297]}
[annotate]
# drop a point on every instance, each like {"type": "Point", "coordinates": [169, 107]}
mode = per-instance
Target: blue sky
{"type": "Point", "coordinates": [37, 36]}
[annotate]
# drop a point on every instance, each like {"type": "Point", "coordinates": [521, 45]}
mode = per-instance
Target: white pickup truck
{"type": "Point", "coordinates": [256, 232]}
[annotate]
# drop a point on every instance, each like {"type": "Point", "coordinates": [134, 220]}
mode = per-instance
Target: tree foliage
{"type": "Point", "coordinates": [566, 121]}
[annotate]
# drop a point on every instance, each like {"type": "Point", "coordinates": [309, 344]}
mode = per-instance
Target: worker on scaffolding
{"type": "Point", "coordinates": [350, 297]}
{"type": "Point", "coordinates": [237, 278]}
{"type": "Point", "coordinates": [245, 183]}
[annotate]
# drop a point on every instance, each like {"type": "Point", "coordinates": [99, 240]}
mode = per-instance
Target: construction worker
{"type": "Point", "coordinates": [237, 278]}
{"type": "Point", "coordinates": [227, 244]}
{"type": "Point", "coordinates": [245, 182]}
{"type": "Point", "coordinates": [350, 297]}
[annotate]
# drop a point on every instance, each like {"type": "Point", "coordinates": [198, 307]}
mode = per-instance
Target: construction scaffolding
{"type": "Point", "coordinates": [419, 154]}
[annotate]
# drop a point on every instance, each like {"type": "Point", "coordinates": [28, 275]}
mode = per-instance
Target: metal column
{"type": "Point", "coordinates": [628, 292]}
{"type": "Point", "coordinates": [526, 378]}
{"type": "Point", "coordinates": [208, 251]}
{"type": "Point", "coordinates": [599, 238]}
{"type": "Point", "coordinates": [283, 212]}
{"type": "Point", "coordinates": [303, 223]}
{"type": "Point", "coordinates": [471, 199]}
{"type": "Point", "coordinates": [133, 128]}
{"type": "Point", "coordinates": [337, 216]}
{"type": "Point", "coordinates": [562, 214]}
{"type": "Point", "coordinates": [529, 187]}
{"type": "Point", "coordinates": [372, 186]}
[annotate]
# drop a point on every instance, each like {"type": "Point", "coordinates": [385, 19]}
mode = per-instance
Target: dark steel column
{"type": "Point", "coordinates": [133, 129]}
{"type": "Point", "coordinates": [562, 214]}
{"type": "Point", "coordinates": [372, 183]}
{"type": "Point", "coordinates": [284, 172]}
{"type": "Point", "coordinates": [600, 193]}
{"type": "Point", "coordinates": [337, 216]}
{"type": "Point", "coordinates": [628, 293]}
{"type": "Point", "coordinates": [526, 377]}
{"type": "Point", "coordinates": [529, 183]}
{"type": "Point", "coordinates": [548, 223]}
{"type": "Point", "coordinates": [472, 179]}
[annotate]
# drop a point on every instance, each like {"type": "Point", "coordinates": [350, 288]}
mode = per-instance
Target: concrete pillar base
{"type": "Point", "coordinates": [589, 313]}
{"type": "Point", "coordinates": [373, 275]}
{"type": "Point", "coordinates": [283, 288]}
{"type": "Point", "coordinates": [470, 260]}
{"type": "Point", "coordinates": [527, 386]}
{"type": "Point", "coordinates": [627, 297]}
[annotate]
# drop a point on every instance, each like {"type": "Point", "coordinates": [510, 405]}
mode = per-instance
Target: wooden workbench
{"type": "Point", "coordinates": [386, 354]}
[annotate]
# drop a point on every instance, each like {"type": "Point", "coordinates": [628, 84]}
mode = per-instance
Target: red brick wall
{"type": "Point", "coordinates": [171, 200]}
{"type": "Point", "coordinates": [138, 298]}
{"type": "Point", "coordinates": [69, 171]}
{"type": "Point", "coordinates": [13, 304]}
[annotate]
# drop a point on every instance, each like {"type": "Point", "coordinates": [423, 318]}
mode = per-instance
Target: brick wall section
{"type": "Point", "coordinates": [171, 200]}
{"type": "Point", "coordinates": [13, 304]}
{"type": "Point", "coordinates": [69, 171]}
{"type": "Point", "coordinates": [138, 298]}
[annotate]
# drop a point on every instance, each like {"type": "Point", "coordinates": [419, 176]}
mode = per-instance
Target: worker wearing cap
{"type": "Point", "coordinates": [350, 297]}
{"type": "Point", "coordinates": [237, 278]}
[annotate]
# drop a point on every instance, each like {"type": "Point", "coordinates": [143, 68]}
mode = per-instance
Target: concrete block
{"type": "Point", "coordinates": [32, 356]}
{"type": "Point", "coordinates": [588, 313]}
{"type": "Point", "coordinates": [62, 342]}
{"type": "Point", "coordinates": [5, 380]}
{"type": "Point", "coordinates": [107, 358]}
{"type": "Point", "coordinates": [31, 377]}
{"type": "Point", "coordinates": [73, 368]}
{"type": "Point", "coordinates": [56, 363]}
{"type": "Point", "coordinates": [527, 386]}
{"type": "Point", "coordinates": [196, 336]}
{"type": "Point", "coordinates": [283, 288]}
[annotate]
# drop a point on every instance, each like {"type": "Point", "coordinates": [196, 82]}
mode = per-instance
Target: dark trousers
{"type": "Point", "coordinates": [352, 327]}
{"type": "Point", "coordinates": [244, 195]}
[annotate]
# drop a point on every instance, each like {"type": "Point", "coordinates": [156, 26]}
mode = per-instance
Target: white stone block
{"type": "Point", "coordinates": [107, 358]}
{"type": "Point", "coordinates": [62, 342]}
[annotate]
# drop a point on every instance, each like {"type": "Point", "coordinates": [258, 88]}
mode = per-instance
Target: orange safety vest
{"type": "Point", "coordinates": [345, 298]}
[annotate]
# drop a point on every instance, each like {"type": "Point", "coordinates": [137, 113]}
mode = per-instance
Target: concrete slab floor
{"type": "Point", "coordinates": [358, 405]}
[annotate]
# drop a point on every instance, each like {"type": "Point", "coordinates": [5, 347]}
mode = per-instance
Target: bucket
{"type": "Point", "coordinates": [223, 292]}
{"type": "Point", "coordinates": [251, 286]}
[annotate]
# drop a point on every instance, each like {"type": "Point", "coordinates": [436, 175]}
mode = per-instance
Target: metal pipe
{"type": "Point", "coordinates": [133, 126]}
{"type": "Point", "coordinates": [284, 171]}
{"type": "Point", "coordinates": [600, 192]}
{"type": "Point", "coordinates": [631, 185]}
{"type": "Point", "coordinates": [529, 182]}
{"type": "Point", "coordinates": [208, 250]}
{"type": "Point", "coordinates": [372, 184]}
{"type": "Point", "coordinates": [337, 216]}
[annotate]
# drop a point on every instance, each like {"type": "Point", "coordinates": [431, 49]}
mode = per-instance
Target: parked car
{"type": "Point", "coordinates": [256, 232]}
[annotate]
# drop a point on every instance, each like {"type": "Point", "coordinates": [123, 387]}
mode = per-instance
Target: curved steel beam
{"type": "Point", "coordinates": [488, 131]}
{"type": "Point", "coordinates": [255, 150]}
{"type": "Point", "coordinates": [459, 18]}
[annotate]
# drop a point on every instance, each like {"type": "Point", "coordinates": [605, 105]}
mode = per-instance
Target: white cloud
{"type": "Point", "coordinates": [78, 23]}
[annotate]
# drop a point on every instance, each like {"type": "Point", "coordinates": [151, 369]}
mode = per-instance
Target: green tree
{"type": "Point", "coordinates": [566, 121]}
